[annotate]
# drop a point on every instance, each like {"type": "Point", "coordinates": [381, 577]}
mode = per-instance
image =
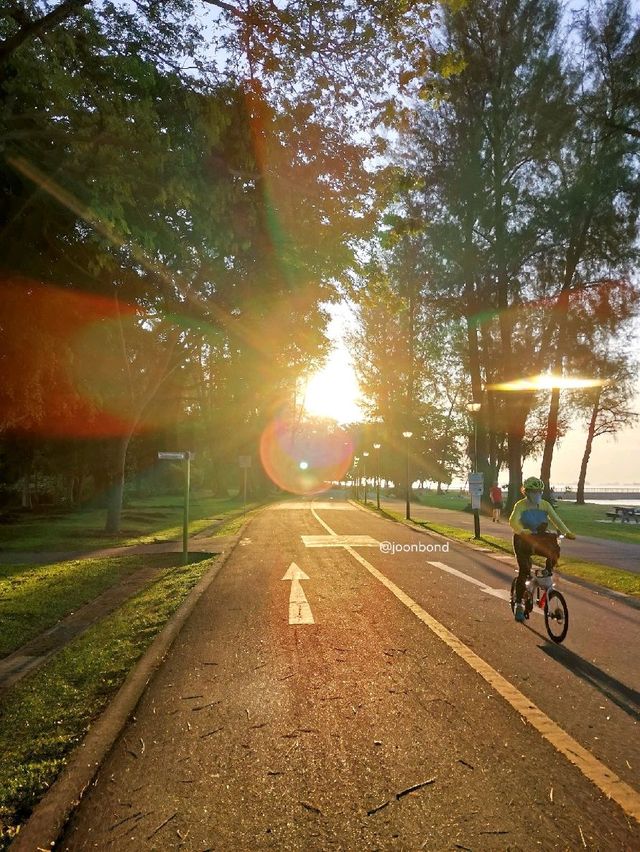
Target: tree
{"type": "Point", "coordinates": [612, 39]}
{"type": "Point", "coordinates": [491, 119]}
{"type": "Point", "coordinates": [591, 216]}
{"type": "Point", "coordinates": [609, 411]}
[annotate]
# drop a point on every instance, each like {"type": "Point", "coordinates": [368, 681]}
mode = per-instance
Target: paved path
{"type": "Point", "coordinates": [407, 710]}
{"type": "Point", "coordinates": [617, 554]}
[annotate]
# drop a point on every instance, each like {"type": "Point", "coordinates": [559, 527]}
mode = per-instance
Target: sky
{"type": "Point", "coordinates": [334, 392]}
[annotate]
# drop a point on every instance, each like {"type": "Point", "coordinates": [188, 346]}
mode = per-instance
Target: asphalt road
{"type": "Point", "coordinates": [412, 713]}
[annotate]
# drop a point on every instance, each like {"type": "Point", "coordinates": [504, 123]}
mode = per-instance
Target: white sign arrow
{"type": "Point", "coordinates": [299, 609]}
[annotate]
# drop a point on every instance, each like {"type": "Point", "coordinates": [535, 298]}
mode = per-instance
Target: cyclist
{"type": "Point", "coordinates": [529, 521]}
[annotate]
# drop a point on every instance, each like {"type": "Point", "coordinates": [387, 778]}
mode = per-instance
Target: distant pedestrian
{"type": "Point", "coordinates": [495, 495]}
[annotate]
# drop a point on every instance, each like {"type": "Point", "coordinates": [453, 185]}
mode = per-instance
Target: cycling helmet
{"type": "Point", "coordinates": [532, 483]}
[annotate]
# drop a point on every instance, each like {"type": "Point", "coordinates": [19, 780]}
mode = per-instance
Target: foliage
{"type": "Point", "coordinates": [521, 207]}
{"type": "Point", "coordinates": [201, 212]}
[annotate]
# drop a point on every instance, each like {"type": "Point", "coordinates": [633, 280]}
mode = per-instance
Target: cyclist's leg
{"type": "Point", "coordinates": [522, 550]}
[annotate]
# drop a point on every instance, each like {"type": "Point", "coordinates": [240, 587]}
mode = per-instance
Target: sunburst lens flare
{"type": "Point", "coordinates": [547, 381]}
{"type": "Point", "coordinates": [301, 462]}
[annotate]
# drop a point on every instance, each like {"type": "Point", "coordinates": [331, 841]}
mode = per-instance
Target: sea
{"type": "Point", "coordinates": [599, 491]}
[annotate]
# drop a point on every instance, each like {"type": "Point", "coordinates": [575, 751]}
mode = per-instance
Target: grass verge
{"type": "Point", "coordinates": [35, 597]}
{"type": "Point", "coordinates": [46, 715]}
{"type": "Point", "coordinates": [610, 578]}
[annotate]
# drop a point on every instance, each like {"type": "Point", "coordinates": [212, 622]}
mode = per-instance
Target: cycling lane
{"type": "Point", "coordinates": [590, 685]}
{"type": "Point", "coordinates": [258, 733]}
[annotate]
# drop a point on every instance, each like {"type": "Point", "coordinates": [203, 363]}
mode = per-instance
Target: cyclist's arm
{"type": "Point", "coordinates": [556, 520]}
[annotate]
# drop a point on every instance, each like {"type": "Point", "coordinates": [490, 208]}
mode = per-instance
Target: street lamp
{"type": "Point", "coordinates": [473, 408]}
{"type": "Point", "coordinates": [356, 460]}
{"type": "Point", "coordinates": [376, 447]}
{"type": "Point", "coordinates": [408, 435]}
{"type": "Point", "coordinates": [364, 473]}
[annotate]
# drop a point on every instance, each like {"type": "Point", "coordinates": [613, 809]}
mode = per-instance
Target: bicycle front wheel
{"type": "Point", "coordinates": [513, 595]}
{"type": "Point", "coordinates": [556, 616]}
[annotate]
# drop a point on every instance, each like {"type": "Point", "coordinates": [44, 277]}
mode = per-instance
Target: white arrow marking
{"type": "Point", "coordinates": [503, 594]}
{"type": "Point", "coordinates": [299, 609]}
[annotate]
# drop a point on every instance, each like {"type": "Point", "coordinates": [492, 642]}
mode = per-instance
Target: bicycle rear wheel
{"type": "Point", "coordinates": [556, 616]}
{"type": "Point", "coordinates": [513, 595]}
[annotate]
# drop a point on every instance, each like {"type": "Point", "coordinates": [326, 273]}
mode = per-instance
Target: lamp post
{"type": "Point", "coordinates": [473, 408]}
{"type": "Point", "coordinates": [356, 461]}
{"type": "Point", "coordinates": [365, 455]}
{"type": "Point", "coordinates": [376, 447]}
{"type": "Point", "coordinates": [408, 435]}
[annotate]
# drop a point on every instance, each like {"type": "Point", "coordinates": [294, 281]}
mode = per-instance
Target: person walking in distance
{"type": "Point", "coordinates": [495, 495]}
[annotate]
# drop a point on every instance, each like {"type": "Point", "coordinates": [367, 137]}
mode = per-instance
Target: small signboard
{"type": "Point", "coordinates": [174, 456]}
{"type": "Point", "coordinates": [244, 461]}
{"type": "Point", "coordinates": [476, 484]}
{"type": "Point", "coordinates": [475, 500]}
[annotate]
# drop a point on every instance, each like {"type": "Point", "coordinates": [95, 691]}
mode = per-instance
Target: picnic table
{"type": "Point", "coordinates": [625, 513]}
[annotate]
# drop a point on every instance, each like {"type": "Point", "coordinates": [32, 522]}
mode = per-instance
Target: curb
{"type": "Point", "coordinates": [619, 597]}
{"type": "Point", "coordinates": [50, 816]}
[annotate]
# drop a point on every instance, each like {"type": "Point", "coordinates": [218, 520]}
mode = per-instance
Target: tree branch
{"type": "Point", "coordinates": [34, 29]}
{"type": "Point", "coordinates": [227, 7]}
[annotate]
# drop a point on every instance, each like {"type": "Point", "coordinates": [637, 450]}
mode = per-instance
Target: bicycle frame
{"type": "Point", "coordinates": [540, 589]}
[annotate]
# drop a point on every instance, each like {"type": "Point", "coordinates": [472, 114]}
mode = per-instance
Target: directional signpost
{"type": "Point", "coordinates": [186, 456]}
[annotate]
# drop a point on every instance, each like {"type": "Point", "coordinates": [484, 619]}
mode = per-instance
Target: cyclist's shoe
{"type": "Point", "coordinates": [520, 614]}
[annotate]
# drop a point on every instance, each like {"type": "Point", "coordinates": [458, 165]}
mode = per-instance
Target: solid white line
{"type": "Point", "coordinates": [607, 781]}
{"type": "Point", "coordinates": [326, 526]}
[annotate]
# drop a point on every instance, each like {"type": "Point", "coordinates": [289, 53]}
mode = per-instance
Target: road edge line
{"type": "Point", "coordinates": [52, 813]}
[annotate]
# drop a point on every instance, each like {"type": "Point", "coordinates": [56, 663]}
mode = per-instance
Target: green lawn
{"type": "Point", "coordinates": [44, 716]}
{"type": "Point", "coordinates": [589, 519]}
{"type": "Point", "coordinates": [148, 520]}
{"type": "Point", "coordinates": [451, 500]}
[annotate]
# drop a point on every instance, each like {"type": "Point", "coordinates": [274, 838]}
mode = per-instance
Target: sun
{"type": "Point", "coordinates": [333, 391]}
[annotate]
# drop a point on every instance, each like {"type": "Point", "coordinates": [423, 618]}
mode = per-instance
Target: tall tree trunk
{"type": "Point", "coordinates": [587, 450]}
{"type": "Point", "coordinates": [116, 484]}
{"type": "Point", "coordinates": [518, 409]}
{"type": "Point", "coordinates": [550, 438]}
{"type": "Point", "coordinates": [551, 434]}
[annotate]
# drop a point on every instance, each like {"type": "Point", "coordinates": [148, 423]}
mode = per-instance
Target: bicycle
{"type": "Point", "coordinates": [540, 590]}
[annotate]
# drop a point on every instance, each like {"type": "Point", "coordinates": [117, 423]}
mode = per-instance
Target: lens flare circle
{"type": "Point", "coordinates": [303, 462]}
